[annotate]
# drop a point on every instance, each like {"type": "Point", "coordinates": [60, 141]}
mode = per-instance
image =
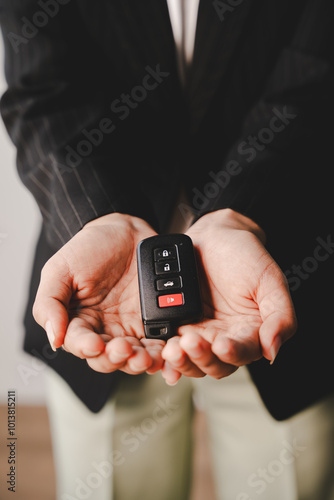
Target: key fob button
{"type": "Point", "coordinates": [169, 283]}
{"type": "Point", "coordinates": [165, 253]}
{"type": "Point", "coordinates": [176, 299]}
{"type": "Point", "coordinates": [168, 266]}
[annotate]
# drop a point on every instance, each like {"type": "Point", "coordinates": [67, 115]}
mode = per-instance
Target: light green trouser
{"type": "Point", "coordinates": [257, 458]}
{"type": "Point", "coordinates": [139, 446]}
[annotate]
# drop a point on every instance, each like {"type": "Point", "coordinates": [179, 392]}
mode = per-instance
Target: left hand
{"type": "Point", "coordinates": [248, 311]}
{"type": "Point", "coordinates": [88, 299]}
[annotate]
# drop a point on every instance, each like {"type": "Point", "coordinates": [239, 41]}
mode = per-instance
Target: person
{"type": "Point", "coordinates": [127, 121]}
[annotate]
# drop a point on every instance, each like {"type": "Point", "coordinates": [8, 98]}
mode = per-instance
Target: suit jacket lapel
{"type": "Point", "coordinates": [217, 37]}
{"type": "Point", "coordinates": [216, 41]}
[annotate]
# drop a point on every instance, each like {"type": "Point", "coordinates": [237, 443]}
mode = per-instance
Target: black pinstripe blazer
{"type": "Point", "coordinates": [101, 123]}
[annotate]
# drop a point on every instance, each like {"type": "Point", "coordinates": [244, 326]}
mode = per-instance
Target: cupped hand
{"type": "Point", "coordinates": [88, 300]}
{"type": "Point", "coordinates": [248, 311]}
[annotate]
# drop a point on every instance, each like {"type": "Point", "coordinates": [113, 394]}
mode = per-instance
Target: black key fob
{"type": "Point", "coordinates": [168, 284]}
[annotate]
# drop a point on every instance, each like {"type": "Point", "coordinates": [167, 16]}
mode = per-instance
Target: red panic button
{"type": "Point", "coordinates": [176, 299]}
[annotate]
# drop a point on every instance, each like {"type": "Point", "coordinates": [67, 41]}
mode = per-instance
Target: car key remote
{"type": "Point", "coordinates": [168, 284]}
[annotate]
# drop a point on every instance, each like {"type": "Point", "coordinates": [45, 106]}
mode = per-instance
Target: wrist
{"type": "Point", "coordinates": [229, 219]}
{"type": "Point", "coordinates": [119, 219]}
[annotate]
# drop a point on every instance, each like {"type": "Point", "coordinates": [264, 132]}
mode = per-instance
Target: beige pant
{"type": "Point", "coordinates": [257, 458]}
{"type": "Point", "coordinates": [139, 446]}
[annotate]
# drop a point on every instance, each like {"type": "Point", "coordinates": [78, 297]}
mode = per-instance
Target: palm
{"type": "Point", "coordinates": [105, 290]}
{"type": "Point", "coordinates": [89, 293]}
{"type": "Point", "coordinates": [248, 312]}
{"type": "Point", "coordinates": [237, 289]}
{"type": "Point", "coordinates": [229, 291]}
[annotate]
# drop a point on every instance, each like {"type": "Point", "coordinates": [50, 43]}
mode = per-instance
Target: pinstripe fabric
{"type": "Point", "coordinates": [252, 131]}
{"type": "Point", "coordinates": [42, 128]}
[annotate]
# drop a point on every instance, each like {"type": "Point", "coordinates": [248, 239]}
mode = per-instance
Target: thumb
{"type": "Point", "coordinates": [52, 300]}
{"type": "Point", "coordinates": [277, 312]}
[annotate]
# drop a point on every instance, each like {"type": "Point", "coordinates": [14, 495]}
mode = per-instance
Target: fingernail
{"type": "Point", "coordinates": [276, 345]}
{"type": "Point", "coordinates": [50, 334]}
{"type": "Point", "coordinates": [171, 384]}
{"type": "Point", "coordinates": [91, 354]}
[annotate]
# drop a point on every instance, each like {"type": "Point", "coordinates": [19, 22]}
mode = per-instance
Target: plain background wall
{"type": "Point", "coordinates": [19, 227]}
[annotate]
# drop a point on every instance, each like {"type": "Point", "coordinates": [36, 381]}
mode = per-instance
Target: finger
{"type": "Point", "coordinates": [238, 348]}
{"type": "Point", "coordinates": [277, 312]}
{"type": "Point", "coordinates": [103, 364]}
{"type": "Point", "coordinates": [200, 353]}
{"type": "Point", "coordinates": [82, 341]}
{"type": "Point", "coordinates": [275, 330]}
{"type": "Point", "coordinates": [125, 354]}
{"type": "Point", "coordinates": [170, 375]}
{"type": "Point", "coordinates": [138, 362]}
{"type": "Point", "coordinates": [234, 342]}
{"type": "Point", "coordinates": [178, 359]}
{"type": "Point", "coordinates": [52, 298]}
{"type": "Point", "coordinates": [154, 349]}
{"type": "Point", "coordinates": [114, 357]}
{"type": "Point", "coordinates": [119, 351]}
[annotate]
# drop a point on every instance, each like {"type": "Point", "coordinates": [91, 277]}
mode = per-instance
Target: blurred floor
{"type": "Point", "coordinates": [34, 472]}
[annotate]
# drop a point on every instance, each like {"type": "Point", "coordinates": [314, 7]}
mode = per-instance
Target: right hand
{"type": "Point", "coordinates": [248, 310]}
{"type": "Point", "coordinates": [88, 299]}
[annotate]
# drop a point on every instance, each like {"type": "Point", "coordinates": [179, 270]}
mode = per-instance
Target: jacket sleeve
{"type": "Point", "coordinates": [56, 110]}
{"type": "Point", "coordinates": [274, 160]}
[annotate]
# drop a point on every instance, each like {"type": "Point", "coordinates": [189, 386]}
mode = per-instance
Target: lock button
{"type": "Point", "coordinates": [166, 267]}
{"type": "Point", "coordinates": [166, 253]}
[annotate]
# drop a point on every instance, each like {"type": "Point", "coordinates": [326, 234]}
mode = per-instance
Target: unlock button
{"type": "Point", "coordinates": [167, 266]}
